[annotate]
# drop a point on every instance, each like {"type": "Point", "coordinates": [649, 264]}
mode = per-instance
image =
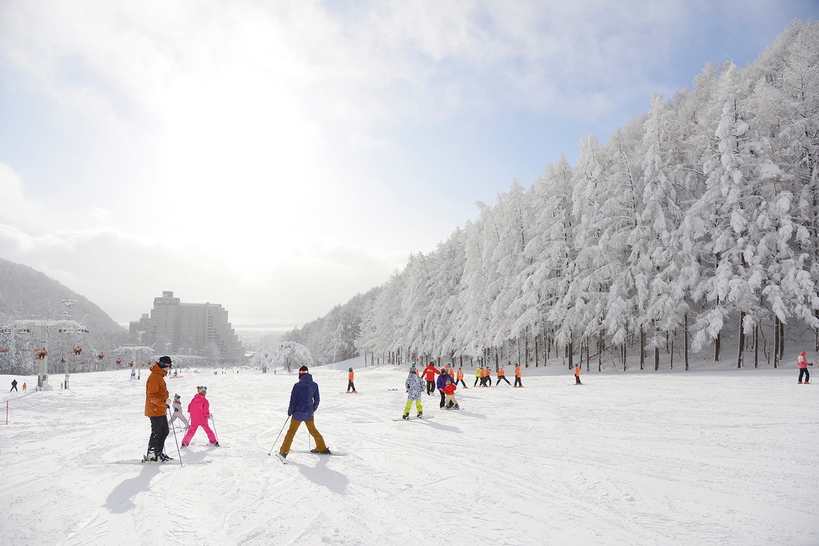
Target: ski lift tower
{"type": "Point", "coordinates": [45, 327]}
{"type": "Point", "coordinates": [72, 329]}
{"type": "Point", "coordinates": [134, 348]}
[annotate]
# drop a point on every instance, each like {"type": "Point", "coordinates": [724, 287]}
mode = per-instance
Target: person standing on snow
{"type": "Point", "coordinates": [802, 362]}
{"type": "Point", "coordinates": [415, 386]}
{"type": "Point", "coordinates": [449, 392]}
{"type": "Point", "coordinates": [14, 385]}
{"type": "Point", "coordinates": [478, 375]}
{"type": "Point", "coordinates": [199, 408]}
{"type": "Point", "coordinates": [460, 376]}
{"type": "Point", "coordinates": [178, 413]}
{"type": "Point", "coordinates": [518, 383]}
{"type": "Point", "coordinates": [157, 404]}
{"type": "Point", "coordinates": [429, 374]}
{"type": "Point", "coordinates": [577, 373]}
{"type": "Point", "coordinates": [501, 375]}
{"type": "Point", "coordinates": [304, 401]}
{"type": "Point", "coordinates": [486, 377]}
{"type": "Point", "coordinates": [441, 383]}
{"type": "Point", "coordinates": [350, 379]}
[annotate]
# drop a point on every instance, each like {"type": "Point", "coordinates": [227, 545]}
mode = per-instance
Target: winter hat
{"type": "Point", "coordinates": [412, 369]}
{"type": "Point", "coordinates": [202, 390]}
{"type": "Point", "coordinates": [176, 397]}
{"type": "Point", "coordinates": [165, 362]}
{"type": "Point", "coordinates": [351, 369]}
{"type": "Point", "coordinates": [303, 370]}
{"type": "Point", "coordinates": [803, 353]}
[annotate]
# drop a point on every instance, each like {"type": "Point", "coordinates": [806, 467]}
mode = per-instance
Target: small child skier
{"type": "Point", "coordinates": [199, 408]}
{"type": "Point", "coordinates": [178, 413]}
{"type": "Point", "coordinates": [449, 392]}
{"type": "Point", "coordinates": [577, 373]}
{"type": "Point", "coordinates": [415, 387]}
{"type": "Point", "coordinates": [802, 363]}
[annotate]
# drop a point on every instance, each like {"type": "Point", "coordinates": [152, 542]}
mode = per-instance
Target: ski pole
{"type": "Point", "coordinates": [212, 420]}
{"type": "Point", "coordinates": [277, 437]}
{"type": "Point", "coordinates": [178, 453]}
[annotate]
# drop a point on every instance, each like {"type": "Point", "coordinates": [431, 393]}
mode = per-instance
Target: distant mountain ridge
{"type": "Point", "coordinates": [26, 293]}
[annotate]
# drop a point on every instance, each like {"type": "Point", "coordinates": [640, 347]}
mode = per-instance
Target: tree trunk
{"type": "Point", "coordinates": [756, 345]}
{"type": "Point", "coordinates": [537, 356]}
{"type": "Point", "coordinates": [781, 340]}
{"type": "Point", "coordinates": [741, 339]}
{"type": "Point", "coordinates": [685, 341]}
{"type": "Point", "coordinates": [776, 342]}
{"type": "Point", "coordinates": [716, 347]}
{"type": "Point", "coordinates": [642, 348]}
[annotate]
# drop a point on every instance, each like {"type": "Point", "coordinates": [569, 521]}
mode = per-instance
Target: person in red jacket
{"type": "Point", "coordinates": [429, 374]}
{"type": "Point", "coordinates": [449, 392]}
{"type": "Point", "coordinates": [802, 362]}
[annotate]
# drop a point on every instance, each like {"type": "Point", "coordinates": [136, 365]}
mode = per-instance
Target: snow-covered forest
{"type": "Point", "coordinates": [692, 227]}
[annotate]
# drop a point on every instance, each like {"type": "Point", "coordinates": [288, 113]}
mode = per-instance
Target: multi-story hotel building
{"type": "Point", "coordinates": [201, 329]}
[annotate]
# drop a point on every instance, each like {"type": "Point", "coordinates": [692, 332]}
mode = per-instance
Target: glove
{"type": "Point", "coordinates": [210, 417]}
{"type": "Point", "coordinates": [167, 407]}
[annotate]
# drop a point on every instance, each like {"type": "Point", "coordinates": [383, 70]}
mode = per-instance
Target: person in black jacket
{"type": "Point", "coordinates": [304, 401]}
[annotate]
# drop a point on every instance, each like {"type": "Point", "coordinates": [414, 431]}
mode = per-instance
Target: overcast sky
{"type": "Point", "coordinates": [279, 157]}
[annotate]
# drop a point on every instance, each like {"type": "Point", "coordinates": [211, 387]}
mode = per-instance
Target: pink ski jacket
{"type": "Point", "coordinates": [199, 408]}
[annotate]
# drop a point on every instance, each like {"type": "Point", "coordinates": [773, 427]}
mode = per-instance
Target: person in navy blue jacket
{"type": "Point", "coordinates": [441, 383]}
{"type": "Point", "coordinates": [304, 401]}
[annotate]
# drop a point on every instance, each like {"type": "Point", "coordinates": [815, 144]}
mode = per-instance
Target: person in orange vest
{"type": "Point", "coordinates": [429, 374]}
{"type": "Point", "coordinates": [502, 375]}
{"type": "Point", "coordinates": [518, 383]}
{"type": "Point", "coordinates": [460, 376]}
{"type": "Point", "coordinates": [577, 373]}
{"type": "Point", "coordinates": [486, 377]}
{"type": "Point", "coordinates": [450, 370]}
{"type": "Point", "coordinates": [350, 379]}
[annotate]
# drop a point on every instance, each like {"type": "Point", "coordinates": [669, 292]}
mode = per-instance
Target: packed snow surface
{"type": "Point", "coordinates": [641, 457]}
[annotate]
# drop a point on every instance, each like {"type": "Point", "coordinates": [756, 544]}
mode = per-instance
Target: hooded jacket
{"type": "Point", "coordinates": [156, 393]}
{"type": "Point", "coordinates": [414, 385]}
{"type": "Point", "coordinates": [199, 408]}
{"type": "Point", "coordinates": [442, 379]}
{"type": "Point", "coordinates": [304, 398]}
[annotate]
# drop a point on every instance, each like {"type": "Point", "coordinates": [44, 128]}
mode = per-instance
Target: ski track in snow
{"type": "Point", "coordinates": [701, 457]}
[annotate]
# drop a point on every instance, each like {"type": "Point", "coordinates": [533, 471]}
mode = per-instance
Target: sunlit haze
{"type": "Point", "coordinates": [280, 157]}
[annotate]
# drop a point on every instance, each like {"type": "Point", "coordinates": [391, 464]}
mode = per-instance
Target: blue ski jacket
{"type": "Point", "coordinates": [304, 398]}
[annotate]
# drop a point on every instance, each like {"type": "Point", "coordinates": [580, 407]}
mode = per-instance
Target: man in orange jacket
{"type": "Point", "coordinates": [156, 407]}
{"type": "Point", "coordinates": [429, 374]}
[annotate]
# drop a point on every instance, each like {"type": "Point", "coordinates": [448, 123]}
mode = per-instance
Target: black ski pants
{"type": "Point", "coordinates": [504, 378]}
{"type": "Point", "coordinates": [159, 431]}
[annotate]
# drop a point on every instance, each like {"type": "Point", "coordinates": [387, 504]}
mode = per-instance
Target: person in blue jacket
{"type": "Point", "coordinates": [441, 383]}
{"type": "Point", "coordinates": [304, 401]}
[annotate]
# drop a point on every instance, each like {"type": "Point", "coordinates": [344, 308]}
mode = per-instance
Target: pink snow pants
{"type": "Point", "coordinates": [191, 431]}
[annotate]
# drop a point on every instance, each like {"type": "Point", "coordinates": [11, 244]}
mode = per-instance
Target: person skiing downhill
{"type": "Point", "coordinates": [350, 379]}
{"type": "Point", "coordinates": [414, 386]}
{"type": "Point", "coordinates": [199, 408]}
{"type": "Point", "coordinates": [802, 362]}
{"type": "Point", "coordinates": [178, 413]}
{"type": "Point", "coordinates": [429, 374]}
{"type": "Point", "coordinates": [304, 401]}
{"type": "Point", "coordinates": [156, 405]}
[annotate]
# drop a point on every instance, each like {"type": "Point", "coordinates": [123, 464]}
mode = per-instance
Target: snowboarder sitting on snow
{"type": "Point", "coordinates": [429, 374]}
{"type": "Point", "coordinates": [802, 362]}
{"type": "Point", "coordinates": [350, 379]}
{"type": "Point", "coordinates": [199, 408]}
{"type": "Point", "coordinates": [449, 391]}
{"type": "Point", "coordinates": [304, 401]}
{"type": "Point", "coordinates": [415, 386]}
{"type": "Point", "coordinates": [177, 412]}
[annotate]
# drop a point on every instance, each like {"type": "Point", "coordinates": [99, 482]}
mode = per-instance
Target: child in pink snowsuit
{"type": "Point", "coordinates": [199, 410]}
